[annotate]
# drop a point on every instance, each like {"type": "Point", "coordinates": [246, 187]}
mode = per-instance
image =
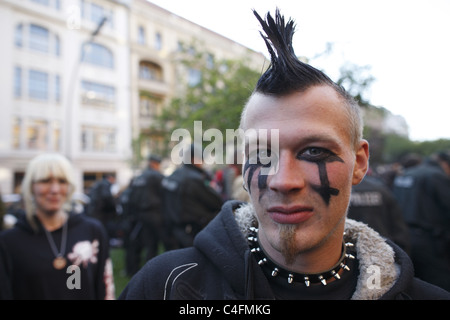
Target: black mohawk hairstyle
{"type": "Point", "coordinates": [286, 72]}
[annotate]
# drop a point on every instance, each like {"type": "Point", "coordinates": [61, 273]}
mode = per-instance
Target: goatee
{"type": "Point", "coordinates": [288, 244]}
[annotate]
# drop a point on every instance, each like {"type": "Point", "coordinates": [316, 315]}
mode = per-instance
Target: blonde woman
{"type": "Point", "coordinates": [52, 253]}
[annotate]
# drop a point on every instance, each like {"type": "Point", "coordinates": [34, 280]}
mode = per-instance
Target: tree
{"type": "Point", "coordinates": [214, 92]}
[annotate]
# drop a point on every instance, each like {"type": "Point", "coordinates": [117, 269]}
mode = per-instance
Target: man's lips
{"type": "Point", "coordinates": [290, 214]}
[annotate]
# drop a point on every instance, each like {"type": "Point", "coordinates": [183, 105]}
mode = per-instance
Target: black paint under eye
{"type": "Point", "coordinates": [324, 188]}
{"type": "Point", "coordinates": [321, 157]}
{"type": "Point", "coordinates": [251, 168]}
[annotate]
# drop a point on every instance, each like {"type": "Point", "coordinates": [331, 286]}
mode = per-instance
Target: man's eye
{"type": "Point", "coordinates": [314, 154]}
{"type": "Point", "coordinates": [315, 151]}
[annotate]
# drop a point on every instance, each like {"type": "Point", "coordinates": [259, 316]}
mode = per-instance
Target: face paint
{"type": "Point", "coordinates": [321, 157]}
{"type": "Point", "coordinates": [252, 168]}
{"type": "Point", "coordinates": [262, 178]}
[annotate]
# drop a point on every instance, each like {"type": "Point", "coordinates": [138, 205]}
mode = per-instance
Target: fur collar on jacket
{"type": "Point", "coordinates": [377, 269]}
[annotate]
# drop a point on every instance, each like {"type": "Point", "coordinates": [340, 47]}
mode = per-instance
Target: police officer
{"type": "Point", "coordinates": [189, 200]}
{"type": "Point", "coordinates": [373, 203]}
{"type": "Point", "coordinates": [423, 194]}
{"type": "Point", "coordinates": [144, 211]}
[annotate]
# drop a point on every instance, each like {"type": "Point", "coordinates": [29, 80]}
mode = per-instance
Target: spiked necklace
{"type": "Point", "coordinates": [292, 277]}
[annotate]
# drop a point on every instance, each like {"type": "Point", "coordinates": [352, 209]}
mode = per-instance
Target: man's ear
{"type": "Point", "coordinates": [361, 163]}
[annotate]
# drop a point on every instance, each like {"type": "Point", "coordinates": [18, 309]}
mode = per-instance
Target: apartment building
{"type": "Point", "coordinates": [64, 88]}
{"type": "Point", "coordinates": [86, 78]}
{"type": "Point", "coordinates": [157, 37]}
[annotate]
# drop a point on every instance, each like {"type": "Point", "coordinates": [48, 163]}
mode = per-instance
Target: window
{"type": "Point", "coordinates": [98, 94]}
{"type": "Point", "coordinates": [18, 36]}
{"type": "Point", "coordinates": [141, 35]}
{"type": "Point", "coordinates": [16, 128]}
{"type": "Point", "coordinates": [57, 89]}
{"type": "Point", "coordinates": [57, 46]}
{"type": "Point", "coordinates": [148, 105]}
{"type": "Point", "coordinates": [17, 82]}
{"type": "Point", "coordinates": [38, 85]}
{"type": "Point", "coordinates": [210, 61]}
{"type": "Point", "coordinates": [158, 41]}
{"type": "Point", "coordinates": [150, 71]}
{"type": "Point", "coordinates": [98, 139]}
{"type": "Point", "coordinates": [194, 77]}
{"type": "Point", "coordinates": [97, 54]}
{"type": "Point", "coordinates": [39, 38]}
{"type": "Point", "coordinates": [95, 13]}
{"type": "Point", "coordinates": [44, 2]}
{"type": "Point", "coordinates": [54, 3]}
{"type": "Point", "coordinates": [37, 134]}
{"type": "Point", "coordinates": [41, 85]}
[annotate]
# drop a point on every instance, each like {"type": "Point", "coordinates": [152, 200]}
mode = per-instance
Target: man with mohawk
{"type": "Point", "coordinates": [293, 240]}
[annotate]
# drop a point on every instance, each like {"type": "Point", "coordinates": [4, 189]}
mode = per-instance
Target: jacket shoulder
{"type": "Point", "coordinates": [156, 279]}
{"type": "Point", "coordinates": [421, 290]}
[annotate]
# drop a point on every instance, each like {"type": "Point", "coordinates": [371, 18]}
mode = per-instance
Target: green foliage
{"type": "Point", "coordinates": [216, 99]}
{"type": "Point", "coordinates": [396, 146]}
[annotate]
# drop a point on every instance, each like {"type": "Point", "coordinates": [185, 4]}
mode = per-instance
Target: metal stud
{"type": "Point", "coordinates": [335, 274]}
{"type": "Point", "coordinates": [324, 282]}
{"type": "Point", "coordinates": [349, 244]}
{"type": "Point", "coordinates": [290, 278]}
{"type": "Point", "coordinates": [251, 238]}
{"type": "Point", "coordinates": [262, 261]}
{"type": "Point", "coordinates": [253, 229]}
{"type": "Point", "coordinates": [344, 266]}
{"type": "Point", "coordinates": [307, 282]}
{"type": "Point", "coordinates": [275, 272]}
{"type": "Point", "coordinates": [350, 256]}
{"type": "Point", "coordinates": [255, 250]}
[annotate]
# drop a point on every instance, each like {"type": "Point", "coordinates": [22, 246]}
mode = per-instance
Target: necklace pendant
{"type": "Point", "coordinates": [59, 263]}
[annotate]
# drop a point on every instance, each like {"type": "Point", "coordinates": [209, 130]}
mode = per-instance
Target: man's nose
{"type": "Point", "coordinates": [288, 177]}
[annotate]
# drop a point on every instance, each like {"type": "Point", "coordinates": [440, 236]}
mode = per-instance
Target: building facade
{"type": "Point", "coordinates": [86, 78]}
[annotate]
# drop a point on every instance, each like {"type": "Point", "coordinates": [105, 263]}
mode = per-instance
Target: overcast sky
{"type": "Point", "coordinates": [405, 42]}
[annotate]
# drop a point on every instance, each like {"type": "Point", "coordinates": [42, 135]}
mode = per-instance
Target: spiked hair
{"type": "Point", "coordinates": [287, 74]}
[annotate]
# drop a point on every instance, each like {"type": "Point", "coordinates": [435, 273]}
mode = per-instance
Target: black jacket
{"type": "Point", "coordinates": [190, 203]}
{"type": "Point", "coordinates": [423, 194]}
{"type": "Point", "coordinates": [145, 201]}
{"type": "Point", "coordinates": [374, 204]}
{"type": "Point", "coordinates": [221, 266]}
{"type": "Point", "coordinates": [26, 270]}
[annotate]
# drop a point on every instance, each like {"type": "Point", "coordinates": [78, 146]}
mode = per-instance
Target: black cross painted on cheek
{"type": "Point", "coordinates": [324, 189]}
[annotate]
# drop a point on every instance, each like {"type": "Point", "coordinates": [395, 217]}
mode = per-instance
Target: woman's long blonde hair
{"type": "Point", "coordinates": [42, 167]}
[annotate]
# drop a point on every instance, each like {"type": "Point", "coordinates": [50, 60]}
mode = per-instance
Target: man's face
{"type": "Point", "coordinates": [302, 204]}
